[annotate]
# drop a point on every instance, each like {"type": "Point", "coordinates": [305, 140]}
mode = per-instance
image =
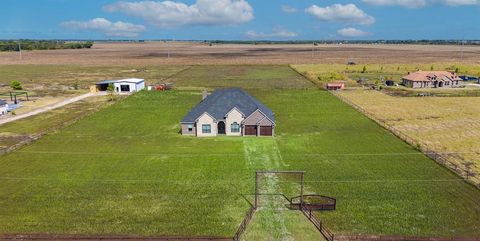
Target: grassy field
{"type": "Point", "coordinates": [126, 170]}
{"type": "Point", "coordinates": [52, 80]}
{"type": "Point", "coordinates": [244, 76]}
{"type": "Point", "coordinates": [446, 125]}
{"type": "Point", "coordinates": [21, 130]}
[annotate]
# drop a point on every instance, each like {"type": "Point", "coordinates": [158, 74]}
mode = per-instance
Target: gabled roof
{"type": "Point", "coordinates": [222, 101]}
{"type": "Point", "coordinates": [432, 76]}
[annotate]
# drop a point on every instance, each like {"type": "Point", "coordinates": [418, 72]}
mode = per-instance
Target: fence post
{"type": "Point", "coordinates": [256, 190]}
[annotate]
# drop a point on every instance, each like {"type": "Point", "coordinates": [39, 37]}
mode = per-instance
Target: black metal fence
{"type": "Point", "coordinates": [318, 224]}
{"type": "Point", "coordinates": [243, 225]}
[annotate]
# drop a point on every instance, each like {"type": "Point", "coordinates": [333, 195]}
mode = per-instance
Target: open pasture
{"type": "Point", "coordinates": [443, 124]}
{"type": "Point", "coordinates": [53, 80]}
{"type": "Point", "coordinates": [193, 53]}
{"type": "Point", "coordinates": [265, 77]}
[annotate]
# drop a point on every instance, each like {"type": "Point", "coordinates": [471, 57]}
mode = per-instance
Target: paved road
{"type": "Point", "coordinates": [11, 118]}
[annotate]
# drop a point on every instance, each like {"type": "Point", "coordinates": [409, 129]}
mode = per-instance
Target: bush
{"type": "Point", "coordinates": [364, 69]}
{"type": "Point", "coordinates": [330, 76]}
{"type": "Point", "coordinates": [16, 85]}
{"type": "Point", "coordinates": [76, 85]}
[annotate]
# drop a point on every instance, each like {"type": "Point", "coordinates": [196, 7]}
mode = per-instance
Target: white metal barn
{"type": "Point", "coordinates": [123, 85]}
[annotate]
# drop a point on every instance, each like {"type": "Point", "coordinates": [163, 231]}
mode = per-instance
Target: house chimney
{"type": "Point", "coordinates": [204, 94]}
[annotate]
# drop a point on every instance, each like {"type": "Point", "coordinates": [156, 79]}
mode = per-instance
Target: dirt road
{"type": "Point", "coordinates": [11, 118]}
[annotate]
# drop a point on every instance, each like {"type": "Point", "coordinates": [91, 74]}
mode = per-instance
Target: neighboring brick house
{"type": "Point", "coordinates": [231, 112]}
{"type": "Point", "coordinates": [431, 79]}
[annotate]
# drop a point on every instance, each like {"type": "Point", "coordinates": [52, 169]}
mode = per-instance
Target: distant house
{"type": "Point", "coordinates": [122, 85]}
{"type": "Point", "coordinates": [336, 86]}
{"type": "Point", "coordinates": [431, 79]}
{"type": "Point", "coordinates": [3, 107]}
{"type": "Point", "coordinates": [231, 112]}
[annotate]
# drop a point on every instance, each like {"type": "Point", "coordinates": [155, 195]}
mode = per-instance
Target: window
{"type": "Point", "coordinates": [235, 127]}
{"type": "Point", "coordinates": [190, 128]}
{"type": "Point", "coordinates": [206, 129]}
{"type": "Point", "coordinates": [125, 88]}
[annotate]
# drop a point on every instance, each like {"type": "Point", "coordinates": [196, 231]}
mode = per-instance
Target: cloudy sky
{"type": "Point", "coordinates": [240, 19]}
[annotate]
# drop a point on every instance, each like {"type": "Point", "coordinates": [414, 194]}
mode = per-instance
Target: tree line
{"type": "Point", "coordinates": [12, 45]}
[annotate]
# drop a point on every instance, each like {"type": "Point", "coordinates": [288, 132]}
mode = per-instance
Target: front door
{"type": "Point", "coordinates": [221, 128]}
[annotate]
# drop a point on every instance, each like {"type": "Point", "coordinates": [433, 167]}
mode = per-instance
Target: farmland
{"type": "Point", "coordinates": [197, 53]}
{"type": "Point", "coordinates": [126, 170]}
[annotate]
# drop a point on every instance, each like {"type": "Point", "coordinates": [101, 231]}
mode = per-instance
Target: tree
{"type": "Point", "coordinates": [16, 85]}
{"type": "Point", "coordinates": [431, 68]}
{"type": "Point", "coordinates": [364, 69]}
{"type": "Point", "coordinates": [111, 92]}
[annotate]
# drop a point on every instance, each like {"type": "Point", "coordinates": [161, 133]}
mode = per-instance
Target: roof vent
{"type": "Point", "coordinates": [204, 94]}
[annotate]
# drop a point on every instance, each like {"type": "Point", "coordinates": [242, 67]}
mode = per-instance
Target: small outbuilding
{"type": "Point", "coordinates": [123, 85]}
{"type": "Point", "coordinates": [336, 86]}
{"type": "Point", "coordinates": [3, 107]}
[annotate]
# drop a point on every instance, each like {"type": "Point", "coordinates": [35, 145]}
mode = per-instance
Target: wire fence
{"type": "Point", "coordinates": [402, 238]}
{"type": "Point", "coordinates": [445, 159]}
{"type": "Point", "coordinates": [31, 138]}
{"type": "Point", "coordinates": [46, 237]}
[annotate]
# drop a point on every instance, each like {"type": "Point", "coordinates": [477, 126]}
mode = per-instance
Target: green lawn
{"type": "Point", "coordinates": [126, 170]}
{"type": "Point", "coordinates": [13, 132]}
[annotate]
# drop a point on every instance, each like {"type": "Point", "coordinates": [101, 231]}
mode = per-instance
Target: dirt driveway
{"type": "Point", "coordinates": [11, 118]}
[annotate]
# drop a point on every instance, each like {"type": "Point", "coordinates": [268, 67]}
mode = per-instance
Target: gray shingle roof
{"type": "Point", "coordinates": [221, 101]}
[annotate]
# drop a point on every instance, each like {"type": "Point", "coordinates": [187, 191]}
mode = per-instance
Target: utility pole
{"type": "Point", "coordinates": [20, 49]}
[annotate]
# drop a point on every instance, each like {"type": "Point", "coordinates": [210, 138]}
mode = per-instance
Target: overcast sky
{"type": "Point", "coordinates": [240, 19]}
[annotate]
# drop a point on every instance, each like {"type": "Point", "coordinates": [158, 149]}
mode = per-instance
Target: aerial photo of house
{"type": "Point", "coordinates": [231, 112]}
{"type": "Point", "coordinates": [240, 120]}
{"type": "Point", "coordinates": [431, 79]}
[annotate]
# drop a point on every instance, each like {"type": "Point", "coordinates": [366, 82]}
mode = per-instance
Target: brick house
{"type": "Point", "coordinates": [231, 112]}
{"type": "Point", "coordinates": [431, 79]}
